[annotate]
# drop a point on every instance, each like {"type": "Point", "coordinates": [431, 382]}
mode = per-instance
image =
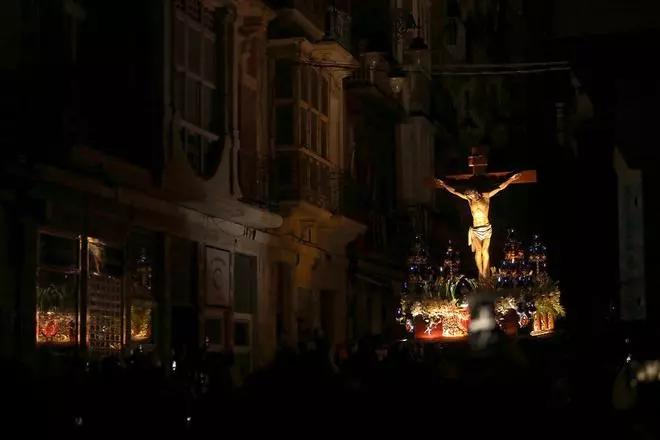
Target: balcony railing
{"type": "Point", "coordinates": [338, 27]}
{"type": "Point", "coordinates": [313, 10]}
{"type": "Point", "coordinates": [302, 176]}
{"type": "Point", "coordinates": [254, 174]}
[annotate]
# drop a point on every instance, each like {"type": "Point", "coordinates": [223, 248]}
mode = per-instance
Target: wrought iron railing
{"type": "Point", "coordinates": [304, 176]}
{"type": "Point", "coordinates": [254, 177]}
{"type": "Point", "coordinates": [338, 27]}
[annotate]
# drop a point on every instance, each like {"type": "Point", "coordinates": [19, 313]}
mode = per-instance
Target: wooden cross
{"type": "Point", "coordinates": [479, 162]}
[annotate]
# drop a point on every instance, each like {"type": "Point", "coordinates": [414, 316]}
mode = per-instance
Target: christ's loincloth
{"type": "Point", "coordinates": [480, 233]}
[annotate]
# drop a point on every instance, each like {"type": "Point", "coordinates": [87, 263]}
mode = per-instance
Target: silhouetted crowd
{"type": "Point", "coordinates": [513, 387]}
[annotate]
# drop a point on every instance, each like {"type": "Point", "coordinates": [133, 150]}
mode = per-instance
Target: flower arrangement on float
{"type": "Point", "coordinates": [434, 302]}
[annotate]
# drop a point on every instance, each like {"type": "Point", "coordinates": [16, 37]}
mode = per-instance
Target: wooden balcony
{"type": "Point", "coordinates": [303, 177]}
{"type": "Point", "coordinates": [309, 188]}
{"type": "Point", "coordinates": [254, 175]}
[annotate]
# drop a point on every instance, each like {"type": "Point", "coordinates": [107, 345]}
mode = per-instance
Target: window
{"type": "Point", "coordinates": [81, 293]}
{"type": "Point", "coordinates": [141, 295]}
{"type": "Point", "coordinates": [104, 297]}
{"type": "Point", "coordinates": [313, 114]}
{"type": "Point", "coordinates": [58, 276]}
{"type": "Point", "coordinates": [195, 79]}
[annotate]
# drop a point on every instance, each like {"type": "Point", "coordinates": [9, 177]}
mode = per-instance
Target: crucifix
{"type": "Point", "coordinates": [478, 198]}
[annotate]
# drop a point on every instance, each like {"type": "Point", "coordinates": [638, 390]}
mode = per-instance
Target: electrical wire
{"type": "Point", "coordinates": [503, 72]}
{"type": "Point", "coordinates": [451, 70]}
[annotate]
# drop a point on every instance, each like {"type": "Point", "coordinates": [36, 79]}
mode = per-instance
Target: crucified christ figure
{"type": "Point", "coordinates": [481, 230]}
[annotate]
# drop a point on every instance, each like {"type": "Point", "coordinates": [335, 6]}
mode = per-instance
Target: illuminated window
{"type": "Point", "coordinates": [58, 276]}
{"type": "Point", "coordinates": [195, 80]}
{"type": "Point", "coordinates": [104, 297]}
{"type": "Point", "coordinates": [141, 293]}
{"type": "Point", "coordinates": [113, 303]}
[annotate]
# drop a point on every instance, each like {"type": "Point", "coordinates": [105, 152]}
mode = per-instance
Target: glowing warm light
{"type": "Point", "coordinates": [141, 322]}
{"type": "Point", "coordinates": [56, 328]}
{"type": "Point", "coordinates": [544, 323]}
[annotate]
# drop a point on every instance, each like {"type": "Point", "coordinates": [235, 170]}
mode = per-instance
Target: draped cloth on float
{"type": "Point", "coordinates": [480, 233]}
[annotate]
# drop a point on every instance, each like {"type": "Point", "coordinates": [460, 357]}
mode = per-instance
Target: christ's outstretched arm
{"type": "Point", "coordinates": [508, 182]}
{"type": "Point", "coordinates": [440, 184]}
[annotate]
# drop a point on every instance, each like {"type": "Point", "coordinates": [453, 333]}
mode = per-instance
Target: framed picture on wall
{"type": "Point", "coordinates": [218, 291]}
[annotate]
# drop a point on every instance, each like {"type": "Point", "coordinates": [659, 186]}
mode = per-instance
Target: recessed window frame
{"type": "Point", "coordinates": [199, 111]}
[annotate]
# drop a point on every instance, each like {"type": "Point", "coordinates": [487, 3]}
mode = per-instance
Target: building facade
{"type": "Point", "coordinates": [153, 221]}
{"type": "Point", "coordinates": [200, 174]}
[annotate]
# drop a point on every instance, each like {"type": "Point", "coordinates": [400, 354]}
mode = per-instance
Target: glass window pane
{"type": "Point", "coordinates": [104, 260]}
{"type": "Point", "coordinates": [57, 308]}
{"type": "Point", "coordinates": [180, 43]}
{"type": "Point", "coordinates": [142, 250]}
{"type": "Point", "coordinates": [142, 317]}
{"type": "Point", "coordinates": [212, 157]}
{"type": "Point", "coordinates": [194, 51]}
{"type": "Point", "coordinates": [193, 101]}
{"type": "Point", "coordinates": [58, 252]}
{"type": "Point", "coordinates": [104, 298]}
{"type": "Point", "coordinates": [209, 60]}
{"type": "Point", "coordinates": [284, 125]}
